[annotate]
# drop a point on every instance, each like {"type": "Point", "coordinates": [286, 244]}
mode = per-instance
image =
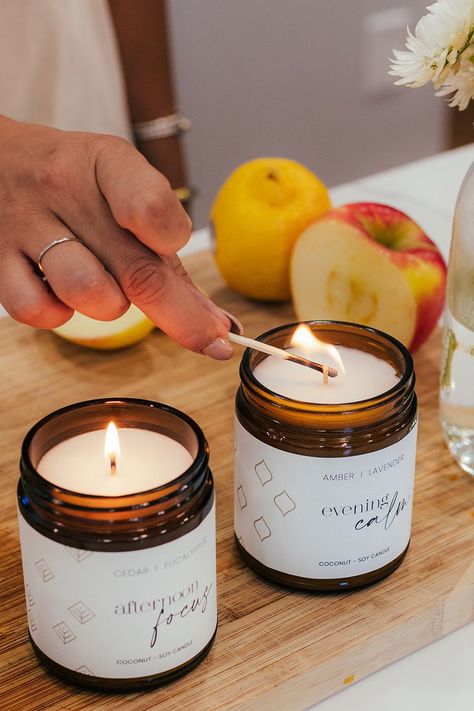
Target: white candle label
{"type": "Point", "coordinates": [316, 517]}
{"type": "Point", "coordinates": [125, 614]}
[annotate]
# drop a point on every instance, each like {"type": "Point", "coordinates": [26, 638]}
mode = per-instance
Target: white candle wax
{"type": "Point", "coordinates": [365, 376]}
{"type": "Point", "coordinates": [147, 459]}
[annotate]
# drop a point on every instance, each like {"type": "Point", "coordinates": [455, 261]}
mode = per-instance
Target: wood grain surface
{"type": "Point", "coordinates": [275, 650]}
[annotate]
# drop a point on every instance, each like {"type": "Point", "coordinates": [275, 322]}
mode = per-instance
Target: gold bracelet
{"type": "Point", "coordinates": [185, 194]}
{"type": "Point", "coordinates": [161, 127]}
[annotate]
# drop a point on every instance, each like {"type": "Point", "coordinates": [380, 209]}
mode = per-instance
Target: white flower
{"type": "Point", "coordinates": [461, 84]}
{"type": "Point", "coordinates": [441, 51]}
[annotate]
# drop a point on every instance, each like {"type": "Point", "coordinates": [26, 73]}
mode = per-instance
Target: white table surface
{"type": "Point", "coordinates": [439, 677]}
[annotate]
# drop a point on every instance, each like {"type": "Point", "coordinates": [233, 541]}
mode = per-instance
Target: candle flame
{"type": "Point", "coordinates": [112, 447]}
{"type": "Point", "coordinates": [312, 348]}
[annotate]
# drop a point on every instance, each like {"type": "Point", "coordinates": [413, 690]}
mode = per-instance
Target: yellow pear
{"type": "Point", "coordinates": [257, 215]}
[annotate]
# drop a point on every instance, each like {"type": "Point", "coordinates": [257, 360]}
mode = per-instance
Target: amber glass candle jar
{"type": "Point", "coordinates": [120, 590]}
{"type": "Point", "coordinates": [324, 492]}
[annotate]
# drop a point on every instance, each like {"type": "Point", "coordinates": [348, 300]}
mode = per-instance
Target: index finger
{"type": "Point", "coordinates": [160, 287]}
{"type": "Point", "coordinates": [141, 199]}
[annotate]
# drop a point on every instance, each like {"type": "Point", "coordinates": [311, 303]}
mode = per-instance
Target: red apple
{"type": "Point", "coordinates": [370, 264]}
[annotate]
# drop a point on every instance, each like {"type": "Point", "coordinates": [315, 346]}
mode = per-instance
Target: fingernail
{"type": "Point", "coordinates": [220, 349]}
{"type": "Point", "coordinates": [235, 325]}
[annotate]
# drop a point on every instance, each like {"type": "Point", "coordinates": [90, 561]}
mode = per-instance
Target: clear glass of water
{"type": "Point", "coordinates": [457, 365]}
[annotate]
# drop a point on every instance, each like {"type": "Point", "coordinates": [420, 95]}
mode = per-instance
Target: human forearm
{"type": "Point", "coordinates": [141, 30]}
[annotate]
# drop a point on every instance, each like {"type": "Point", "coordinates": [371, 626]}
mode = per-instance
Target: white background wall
{"type": "Point", "coordinates": [304, 79]}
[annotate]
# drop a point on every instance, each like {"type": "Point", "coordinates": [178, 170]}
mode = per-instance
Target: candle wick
{"type": "Point", "coordinates": [113, 464]}
{"type": "Point", "coordinates": [325, 374]}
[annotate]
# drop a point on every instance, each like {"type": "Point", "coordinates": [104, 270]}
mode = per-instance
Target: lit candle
{"type": "Point", "coordinates": [117, 533]}
{"type": "Point", "coordinates": [361, 375]}
{"type": "Point", "coordinates": [324, 479]}
{"type": "Point", "coordinates": [146, 460]}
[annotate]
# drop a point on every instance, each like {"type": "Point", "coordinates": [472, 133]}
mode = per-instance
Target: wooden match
{"type": "Point", "coordinates": [327, 371]}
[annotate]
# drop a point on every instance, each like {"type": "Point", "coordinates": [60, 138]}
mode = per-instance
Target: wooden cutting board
{"type": "Point", "coordinates": [275, 650]}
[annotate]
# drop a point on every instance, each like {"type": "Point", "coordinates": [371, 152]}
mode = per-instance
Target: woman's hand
{"type": "Point", "coordinates": [100, 189]}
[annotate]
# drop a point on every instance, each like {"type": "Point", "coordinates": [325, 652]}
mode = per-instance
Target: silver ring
{"type": "Point", "coordinates": [50, 246]}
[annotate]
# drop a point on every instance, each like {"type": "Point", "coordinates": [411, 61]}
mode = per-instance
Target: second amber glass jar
{"type": "Point", "coordinates": [324, 492]}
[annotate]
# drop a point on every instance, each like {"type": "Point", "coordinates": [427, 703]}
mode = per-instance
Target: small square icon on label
{"type": "Point", "coordinates": [44, 571]}
{"type": "Point", "coordinates": [84, 670]}
{"type": "Point", "coordinates": [64, 632]}
{"type": "Point", "coordinates": [263, 472]}
{"type": "Point", "coordinates": [284, 502]}
{"type": "Point", "coordinates": [78, 554]}
{"type": "Point", "coordinates": [262, 528]}
{"type": "Point", "coordinates": [30, 601]}
{"type": "Point", "coordinates": [31, 621]}
{"type": "Point", "coordinates": [81, 612]}
{"type": "Point", "coordinates": [242, 499]}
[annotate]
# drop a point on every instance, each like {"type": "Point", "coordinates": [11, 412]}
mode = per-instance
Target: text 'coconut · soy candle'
{"type": "Point", "coordinates": [324, 467]}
